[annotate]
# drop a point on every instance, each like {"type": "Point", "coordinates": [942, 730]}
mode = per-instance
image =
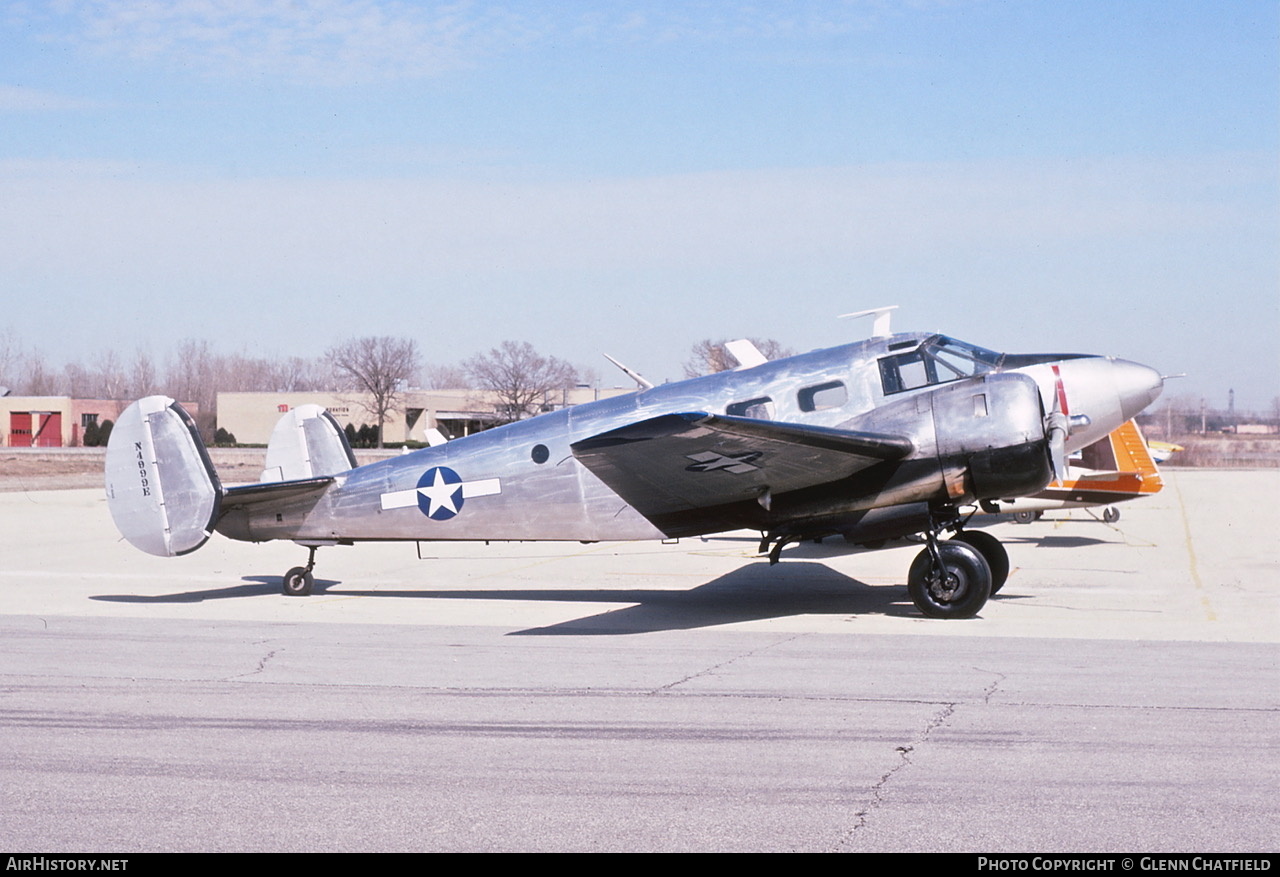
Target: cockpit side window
{"type": "Point", "coordinates": [906, 371]}
{"type": "Point", "coordinates": [938, 360]}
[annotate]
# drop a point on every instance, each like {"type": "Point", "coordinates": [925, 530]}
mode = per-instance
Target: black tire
{"type": "Point", "coordinates": [1026, 517]}
{"type": "Point", "coordinates": [992, 552]}
{"type": "Point", "coordinates": [297, 582]}
{"type": "Point", "coordinates": [1110, 514]}
{"type": "Point", "coordinates": [960, 592]}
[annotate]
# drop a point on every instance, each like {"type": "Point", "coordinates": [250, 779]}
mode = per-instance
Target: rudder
{"type": "Point", "coordinates": [307, 443]}
{"type": "Point", "coordinates": [162, 490]}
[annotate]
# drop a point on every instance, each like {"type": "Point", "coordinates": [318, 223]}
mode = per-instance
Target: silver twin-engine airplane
{"type": "Point", "coordinates": [875, 440]}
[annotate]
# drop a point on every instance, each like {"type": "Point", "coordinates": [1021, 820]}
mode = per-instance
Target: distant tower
{"type": "Point", "coordinates": [1231, 409]}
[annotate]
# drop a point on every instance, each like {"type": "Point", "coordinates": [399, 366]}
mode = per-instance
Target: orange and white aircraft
{"type": "Point", "coordinates": [1113, 469]}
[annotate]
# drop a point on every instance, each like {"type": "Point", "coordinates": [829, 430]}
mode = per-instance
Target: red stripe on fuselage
{"type": "Point", "coordinates": [1062, 393]}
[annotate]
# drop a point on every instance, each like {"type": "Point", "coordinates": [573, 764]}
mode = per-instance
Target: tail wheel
{"type": "Point", "coordinates": [298, 582]}
{"type": "Point", "coordinates": [992, 552]}
{"type": "Point", "coordinates": [959, 588]}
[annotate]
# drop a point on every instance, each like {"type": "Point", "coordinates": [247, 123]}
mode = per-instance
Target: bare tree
{"type": "Point", "coordinates": [143, 380]}
{"type": "Point", "coordinates": [521, 378]}
{"type": "Point", "coordinates": [38, 378]}
{"type": "Point", "coordinates": [710, 356]}
{"type": "Point", "coordinates": [192, 376]}
{"type": "Point", "coordinates": [78, 381]}
{"type": "Point", "coordinates": [297, 374]}
{"type": "Point", "coordinates": [10, 356]}
{"type": "Point", "coordinates": [446, 377]}
{"type": "Point", "coordinates": [109, 378]}
{"type": "Point", "coordinates": [378, 367]}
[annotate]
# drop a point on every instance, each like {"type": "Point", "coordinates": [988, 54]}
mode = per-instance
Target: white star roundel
{"type": "Point", "coordinates": [440, 493]}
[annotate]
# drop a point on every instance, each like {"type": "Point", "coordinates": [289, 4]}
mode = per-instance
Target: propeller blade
{"type": "Point", "coordinates": [1055, 430]}
{"type": "Point", "coordinates": [1057, 425]}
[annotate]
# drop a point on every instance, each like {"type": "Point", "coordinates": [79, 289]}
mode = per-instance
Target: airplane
{"type": "Point", "coordinates": [1162, 451]}
{"type": "Point", "coordinates": [873, 440]}
{"type": "Point", "coordinates": [1116, 468]}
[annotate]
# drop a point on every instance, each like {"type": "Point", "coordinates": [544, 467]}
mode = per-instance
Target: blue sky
{"type": "Point", "coordinates": [630, 177]}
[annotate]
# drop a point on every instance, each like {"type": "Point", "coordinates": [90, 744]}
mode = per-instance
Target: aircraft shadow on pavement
{"type": "Point", "coordinates": [255, 586]}
{"type": "Point", "coordinates": [753, 592]}
{"type": "Point", "coordinates": [1056, 541]}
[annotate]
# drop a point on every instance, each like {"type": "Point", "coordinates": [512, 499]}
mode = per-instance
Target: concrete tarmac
{"type": "Point", "coordinates": [1122, 693]}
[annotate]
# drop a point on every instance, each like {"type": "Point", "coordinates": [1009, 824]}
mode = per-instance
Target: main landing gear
{"type": "Point", "coordinates": [948, 579]}
{"type": "Point", "coordinates": [992, 552]}
{"type": "Point", "coordinates": [299, 581]}
{"type": "Point", "coordinates": [953, 579]}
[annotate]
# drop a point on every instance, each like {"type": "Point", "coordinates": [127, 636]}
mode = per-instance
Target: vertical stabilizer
{"type": "Point", "coordinates": [1132, 455]}
{"type": "Point", "coordinates": [162, 490]}
{"type": "Point", "coordinates": [1119, 464]}
{"type": "Point", "coordinates": [307, 443]}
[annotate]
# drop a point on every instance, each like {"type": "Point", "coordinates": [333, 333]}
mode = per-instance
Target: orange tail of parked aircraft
{"type": "Point", "coordinates": [1111, 470]}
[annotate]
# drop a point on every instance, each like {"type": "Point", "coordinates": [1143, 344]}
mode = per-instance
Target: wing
{"type": "Point", "coordinates": [671, 465]}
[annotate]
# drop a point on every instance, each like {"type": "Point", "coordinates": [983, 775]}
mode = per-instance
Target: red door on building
{"type": "Point", "coordinates": [35, 429]}
{"type": "Point", "coordinates": [48, 432]}
{"type": "Point", "coordinates": [19, 429]}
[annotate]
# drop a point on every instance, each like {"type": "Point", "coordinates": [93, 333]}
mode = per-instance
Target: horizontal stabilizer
{"type": "Point", "coordinates": [273, 491]}
{"type": "Point", "coordinates": [307, 443]}
{"type": "Point", "coordinates": [162, 490]}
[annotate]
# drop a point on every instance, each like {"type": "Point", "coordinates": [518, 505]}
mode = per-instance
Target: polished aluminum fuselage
{"type": "Point", "coordinates": [523, 482]}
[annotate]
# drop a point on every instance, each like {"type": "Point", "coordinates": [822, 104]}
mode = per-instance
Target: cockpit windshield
{"type": "Point", "coordinates": [938, 360]}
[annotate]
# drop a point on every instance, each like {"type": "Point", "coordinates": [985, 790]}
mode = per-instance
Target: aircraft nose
{"type": "Point", "coordinates": [1137, 385]}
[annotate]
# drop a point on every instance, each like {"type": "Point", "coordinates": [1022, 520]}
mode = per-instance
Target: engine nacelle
{"type": "Point", "coordinates": [991, 437]}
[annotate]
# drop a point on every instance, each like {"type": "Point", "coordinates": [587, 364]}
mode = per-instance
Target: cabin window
{"type": "Point", "coordinates": [832, 394]}
{"type": "Point", "coordinates": [756, 409]}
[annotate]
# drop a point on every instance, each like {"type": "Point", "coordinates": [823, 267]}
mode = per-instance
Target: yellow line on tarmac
{"type": "Point", "coordinates": [1191, 555]}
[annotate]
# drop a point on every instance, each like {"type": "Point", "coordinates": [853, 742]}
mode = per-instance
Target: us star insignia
{"type": "Point", "coordinates": [441, 493]}
{"type": "Point", "coordinates": [710, 461]}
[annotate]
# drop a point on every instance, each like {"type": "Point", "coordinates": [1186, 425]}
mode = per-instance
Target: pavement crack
{"type": "Point", "coordinates": [879, 787]}
{"type": "Point", "coordinates": [994, 686]}
{"type": "Point", "coordinates": [261, 666]}
{"type": "Point", "coordinates": [706, 671]}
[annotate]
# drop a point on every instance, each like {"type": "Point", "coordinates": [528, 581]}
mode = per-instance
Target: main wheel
{"type": "Point", "coordinates": [959, 590]}
{"type": "Point", "coordinates": [297, 582]}
{"type": "Point", "coordinates": [1026, 517]}
{"type": "Point", "coordinates": [992, 552]}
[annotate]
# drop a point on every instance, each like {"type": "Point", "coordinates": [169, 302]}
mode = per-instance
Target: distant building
{"type": "Point", "coordinates": [250, 417]}
{"type": "Point", "coordinates": [57, 421]}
